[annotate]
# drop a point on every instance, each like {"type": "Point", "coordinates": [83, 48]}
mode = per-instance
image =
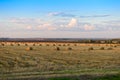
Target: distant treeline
{"type": "Point", "coordinates": [72, 40]}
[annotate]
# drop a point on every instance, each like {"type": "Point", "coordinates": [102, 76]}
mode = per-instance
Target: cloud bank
{"type": "Point", "coordinates": [72, 24]}
{"type": "Point", "coordinates": [60, 14]}
{"type": "Point", "coordinates": [95, 16]}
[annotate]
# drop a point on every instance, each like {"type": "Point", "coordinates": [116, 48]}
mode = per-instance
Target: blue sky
{"type": "Point", "coordinates": [60, 18]}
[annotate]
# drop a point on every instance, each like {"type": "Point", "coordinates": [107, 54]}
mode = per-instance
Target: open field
{"type": "Point", "coordinates": [23, 60]}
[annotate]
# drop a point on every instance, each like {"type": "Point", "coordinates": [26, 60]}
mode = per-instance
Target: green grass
{"type": "Point", "coordinates": [16, 61]}
{"type": "Point", "coordinates": [88, 77]}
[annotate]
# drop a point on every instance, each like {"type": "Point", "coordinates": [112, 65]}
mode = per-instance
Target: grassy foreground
{"type": "Point", "coordinates": [89, 77]}
{"type": "Point", "coordinates": [59, 61]}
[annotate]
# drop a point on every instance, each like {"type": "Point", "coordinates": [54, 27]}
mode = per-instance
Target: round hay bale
{"type": "Point", "coordinates": [64, 45]}
{"type": "Point", "coordinates": [115, 45]}
{"type": "Point", "coordinates": [26, 44]}
{"type": "Point", "coordinates": [75, 44]}
{"type": "Point", "coordinates": [91, 48]}
{"type": "Point", "coordinates": [102, 48]}
{"type": "Point", "coordinates": [68, 44]}
{"type": "Point", "coordinates": [109, 48]}
{"type": "Point", "coordinates": [54, 45]}
{"type": "Point", "coordinates": [29, 48]}
{"type": "Point", "coordinates": [3, 44]}
{"type": "Point", "coordinates": [69, 48]}
{"type": "Point", "coordinates": [11, 44]}
{"type": "Point", "coordinates": [18, 44]}
{"type": "Point", "coordinates": [57, 48]}
{"type": "Point", "coordinates": [33, 44]}
{"type": "Point", "coordinates": [40, 44]}
{"type": "Point", "coordinates": [59, 45]}
{"type": "Point", "coordinates": [47, 45]}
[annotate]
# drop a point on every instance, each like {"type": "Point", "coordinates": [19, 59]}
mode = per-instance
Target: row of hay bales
{"type": "Point", "coordinates": [57, 48]}
{"type": "Point", "coordinates": [71, 44]}
{"type": "Point", "coordinates": [69, 48]}
{"type": "Point", "coordinates": [34, 44]}
{"type": "Point", "coordinates": [19, 44]}
{"type": "Point", "coordinates": [101, 48]}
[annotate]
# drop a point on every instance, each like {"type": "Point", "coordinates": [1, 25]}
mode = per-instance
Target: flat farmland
{"type": "Point", "coordinates": [29, 60]}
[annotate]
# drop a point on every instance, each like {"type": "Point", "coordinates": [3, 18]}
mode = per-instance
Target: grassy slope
{"type": "Point", "coordinates": [45, 60]}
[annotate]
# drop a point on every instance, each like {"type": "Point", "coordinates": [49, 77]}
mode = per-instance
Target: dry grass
{"type": "Point", "coordinates": [52, 58]}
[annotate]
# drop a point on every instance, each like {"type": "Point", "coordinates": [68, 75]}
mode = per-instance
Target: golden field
{"type": "Point", "coordinates": [50, 59]}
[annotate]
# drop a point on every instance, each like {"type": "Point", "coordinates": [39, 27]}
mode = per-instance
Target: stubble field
{"type": "Point", "coordinates": [23, 60]}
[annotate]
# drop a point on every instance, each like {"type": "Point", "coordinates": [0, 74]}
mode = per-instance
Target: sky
{"type": "Point", "coordinates": [60, 18]}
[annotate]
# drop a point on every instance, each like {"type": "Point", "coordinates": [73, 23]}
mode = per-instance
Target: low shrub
{"type": "Point", "coordinates": [26, 44]}
{"type": "Point", "coordinates": [33, 44]}
{"type": "Point", "coordinates": [109, 48]}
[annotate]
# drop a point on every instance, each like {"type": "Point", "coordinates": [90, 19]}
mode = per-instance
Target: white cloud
{"type": "Point", "coordinates": [72, 23]}
{"type": "Point", "coordinates": [54, 13]}
{"type": "Point", "coordinates": [61, 14]}
{"type": "Point", "coordinates": [36, 24]}
{"type": "Point", "coordinates": [33, 23]}
{"type": "Point", "coordinates": [51, 28]}
{"type": "Point", "coordinates": [46, 26]}
{"type": "Point", "coordinates": [88, 27]}
{"type": "Point", "coordinates": [95, 16]}
{"type": "Point", "coordinates": [115, 23]}
{"type": "Point", "coordinates": [29, 27]}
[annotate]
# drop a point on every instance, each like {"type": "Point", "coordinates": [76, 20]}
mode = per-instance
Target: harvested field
{"type": "Point", "coordinates": [47, 61]}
